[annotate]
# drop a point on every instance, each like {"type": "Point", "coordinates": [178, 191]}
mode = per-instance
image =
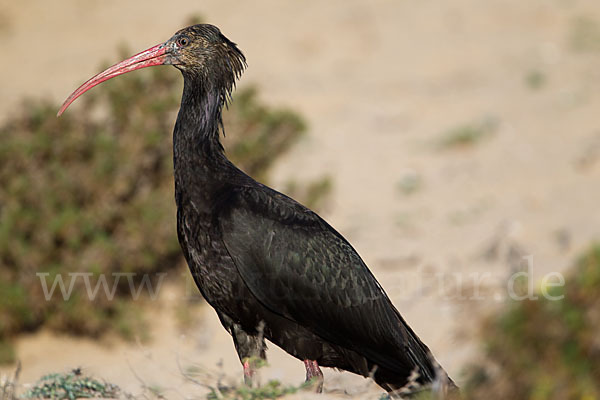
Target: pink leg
{"type": "Point", "coordinates": [313, 373]}
{"type": "Point", "coordinates": [248, 373]}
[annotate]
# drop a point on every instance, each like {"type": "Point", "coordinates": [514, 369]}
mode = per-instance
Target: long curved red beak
{"type": "Point", "coordinates": [153, 56]}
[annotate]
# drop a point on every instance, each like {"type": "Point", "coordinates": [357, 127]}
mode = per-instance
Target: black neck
{"type": "Point", "coordinates": [197, 130]}
{"type": "Point", "coordinates": [199, 158]}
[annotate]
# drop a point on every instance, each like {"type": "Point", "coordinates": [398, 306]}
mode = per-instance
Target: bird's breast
{"type": "Point", "coordinates": [212, 267]}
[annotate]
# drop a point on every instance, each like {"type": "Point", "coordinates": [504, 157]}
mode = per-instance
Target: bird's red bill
{"type": "Point", "coordinates": [153, 56]}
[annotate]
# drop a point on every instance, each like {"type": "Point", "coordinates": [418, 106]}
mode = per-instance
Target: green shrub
{"type": "Point", "coordinates": [71, 386]}
{"type": "Point", "coordinates": [545, 349]}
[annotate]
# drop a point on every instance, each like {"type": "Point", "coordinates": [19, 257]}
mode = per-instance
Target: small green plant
{"type": "Point", "coordinates": [409, 183]}
{"type": "Point", "coordinates": [467, 135]}
{"type": "Point", "coordinates": [72, 385]}
{"type": "Point", "coordinates": [535, 79]}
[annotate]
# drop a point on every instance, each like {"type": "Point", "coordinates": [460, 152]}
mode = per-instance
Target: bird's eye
{"type": "Point", "coordinates": [183, 41]}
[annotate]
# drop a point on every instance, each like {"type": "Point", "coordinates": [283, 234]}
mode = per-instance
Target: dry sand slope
{"type": "Point", "coordinates": [383, 84]}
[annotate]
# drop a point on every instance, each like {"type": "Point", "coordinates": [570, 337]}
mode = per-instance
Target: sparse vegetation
{"type": "Point", "coordinates": [72, 385]}
{"type": "Point", "coordinates": [271, 390]}
{"type": "Point", "coordinates": [220, 387]}
{"type": "Point", "coordinates": [467, 135]}
{"type": "Point", "coordinates": [545, 349]}
{"type": "Point", "coordinates": [535, 79]}
{"type": "Point", "coordinates": [75, 384]}
{"type": "Point", "coordinates": [584, 35]}
{"type": "Point", "coordinates": [92, 192]}
{"type": "Point", "coordinates": [9, 385]}
{"type": "Point", "coordinates": [409, 183]}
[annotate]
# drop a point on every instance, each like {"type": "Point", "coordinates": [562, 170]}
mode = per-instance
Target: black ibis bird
{"type": "Point", "coordinates": [271, 268]}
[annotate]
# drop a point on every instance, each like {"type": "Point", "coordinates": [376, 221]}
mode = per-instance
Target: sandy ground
{"type": "Point", "coordinates": [380, 83]}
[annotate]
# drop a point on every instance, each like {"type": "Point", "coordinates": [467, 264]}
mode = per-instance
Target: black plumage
{"type": "Point", "coordinates": [271, 268]}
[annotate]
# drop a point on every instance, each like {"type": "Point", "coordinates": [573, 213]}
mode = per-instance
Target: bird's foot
{"type": "Point", "coordinates": [252, 365]}
{"type": "Point", "coordinates": [314, 375]}
{"type": "Point", "coordinates": [249, 372]}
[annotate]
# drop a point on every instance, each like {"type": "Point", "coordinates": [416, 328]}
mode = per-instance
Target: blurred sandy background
{"type": "Point", "coordinates": [388, 88]}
